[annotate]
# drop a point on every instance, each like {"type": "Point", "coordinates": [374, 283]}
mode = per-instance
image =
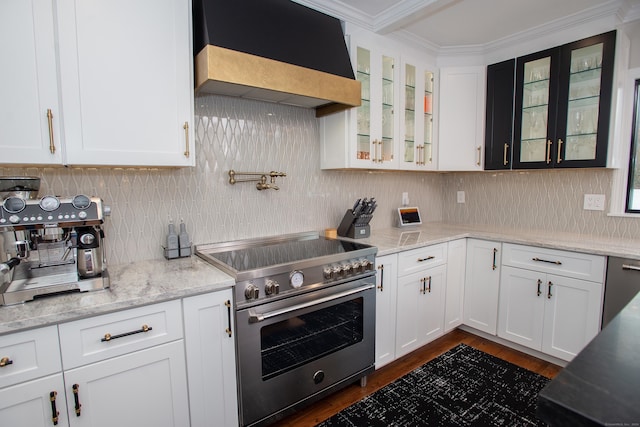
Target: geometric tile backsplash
{"type": "Point", "coordinates": [254, 136]}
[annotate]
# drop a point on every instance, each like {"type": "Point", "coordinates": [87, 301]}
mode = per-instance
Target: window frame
{"type": "Point", "coordinates": [634, 150]}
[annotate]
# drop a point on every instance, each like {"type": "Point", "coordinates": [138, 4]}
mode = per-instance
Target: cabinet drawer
{"type": "Point", "coordinates": [563, 263]}
{"type": "Point", "coordinates": [422, 258]}
{"type": "Point", "coordinates": [29, 355]}
{"type": "Point", "coordinates": [102, 337]}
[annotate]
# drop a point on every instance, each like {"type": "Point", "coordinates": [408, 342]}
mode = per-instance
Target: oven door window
{"type": "Point", "coordinates": [297, 340]}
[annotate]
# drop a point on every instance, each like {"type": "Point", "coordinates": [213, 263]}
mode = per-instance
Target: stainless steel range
{"type": "Point", "coordinates": [305, 318]}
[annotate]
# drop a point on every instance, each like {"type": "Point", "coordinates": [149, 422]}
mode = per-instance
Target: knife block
{"type": "Point", "coordinates": [354, 227]}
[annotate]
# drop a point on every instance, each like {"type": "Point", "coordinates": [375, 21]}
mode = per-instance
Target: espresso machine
{"type": "Point", "coordinates": [51, 245]}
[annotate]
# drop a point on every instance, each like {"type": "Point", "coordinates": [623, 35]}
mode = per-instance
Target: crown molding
{"type": "Point", "coordinates": [391, 20]}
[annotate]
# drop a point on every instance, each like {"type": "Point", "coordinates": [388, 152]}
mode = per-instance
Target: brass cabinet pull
{"type": "Point", "coordinates": [227, 304]}
{"type": "Point", "coordinates": [381, 287]}
{"type": "Point", "coordinates": [76, 398]}
{"type": "Point", "coordinates": [546, 260]}
{"type": "Point", "coordinates": [54, 410]}
{"type": "Point", "coordinates": [5, 361]}
{"type": "Point", "coordinates": [504, 155]}
{"type": "Point", "coordinates": [429, 287]}
{"type": "Point", "coordinates": [426, 259]}
{"type": "Point", "coordinates": [559, 151]}
{"type": "Point", "coordinates": [186, 138]}
{"type": "Point", "coordinates": [109, 337]}
{"type": "Point", "coordinates": [495, 252]}
{"type": "Point", "coordinates": [539, 283]}
{"type": "Point", "coordinates": [52, 145]}
{"type": "Point", "coordinates": [549, 295]}
{"type": "Point", "coordinates": [423, 281]}
{"type": "Point", "coordinates": [549, 143]}
{"type": "Point", "coordinates": [479, 155]}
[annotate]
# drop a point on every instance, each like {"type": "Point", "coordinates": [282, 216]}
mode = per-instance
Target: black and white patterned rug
{"type": "Point", "coordinates": [462, 387]}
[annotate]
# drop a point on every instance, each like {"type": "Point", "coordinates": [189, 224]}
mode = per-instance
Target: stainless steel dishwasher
{"type": "Point", "coordinates": [623, 283]}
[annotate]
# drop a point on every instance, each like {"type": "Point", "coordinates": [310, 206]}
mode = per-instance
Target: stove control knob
{"type": "Point", "coordinates": [14, 219]}
{"type": "Point", "coordinates": [251, 291]}
{"type": "Point", "coordinates": [346, 269]}
{"type": "Point", "coordinates": [356, 266]}
{"type": "Point", "coordinates": [366, 265]}
{"type": "Point", "coordinates": [272, 287]}
{"type": "Point", "coordinates": [327, 272]}
{"type": "Point", "coordinates": [337, 271]}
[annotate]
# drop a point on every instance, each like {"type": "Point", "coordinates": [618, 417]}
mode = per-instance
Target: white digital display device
{"type": "Point", "coordinates": [408, 216]}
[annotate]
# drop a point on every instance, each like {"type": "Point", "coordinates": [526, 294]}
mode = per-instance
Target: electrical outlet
{"type": "Point", "coordinates": [594, 202]}
{"type": "Point", "coordinates": [460, 196]}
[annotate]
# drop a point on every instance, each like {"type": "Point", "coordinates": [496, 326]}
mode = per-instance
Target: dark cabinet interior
{"type": "Point", "coordinates": [560, 107]}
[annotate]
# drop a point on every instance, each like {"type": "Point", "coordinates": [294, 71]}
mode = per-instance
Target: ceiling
{"type": "Point", "coordinates": [455, 23]}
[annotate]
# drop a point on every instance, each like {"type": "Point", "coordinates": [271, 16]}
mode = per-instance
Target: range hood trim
{"type": "Point", "coordinates": [229, 72]}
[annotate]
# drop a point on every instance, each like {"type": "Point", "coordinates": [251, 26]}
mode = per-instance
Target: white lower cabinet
{"type": "Point", "coordinates": [126, 368]}
{"type": "Point", "coordinates": [37, 403]}
{"type": "Point", "coordinates": [211, 364]}
{"type": "Point", "coordinates": [31, 384]}
{"type": "Point", "coordinates": [482, 284]}
{"type": "Point", "coordinates": [386, 293]}
{"type": "Point", "coordinates": [143, 388]}
{"type": "Point", "coordinates": [454, 295]}
{"type": "Point", "coordinates": [552, 313]}
{"type": "Point", "coordinates": [422, 280]}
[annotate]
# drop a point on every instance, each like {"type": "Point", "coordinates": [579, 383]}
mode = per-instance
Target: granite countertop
{"type": "Point", "coordinates": [394, 240]}
{"type": "Point", "coordinates": [148, 282]}
{"type": "Point", "coordinates": [132, 285]}
{"type": "Point", "coordinates": [600, 385]}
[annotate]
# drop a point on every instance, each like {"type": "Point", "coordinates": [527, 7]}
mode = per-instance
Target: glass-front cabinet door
{"type": "Point", "coordinates": [363, 125]}
{"type": "Point", "coordinates": [563, 104]}
{"type": "Point", "coordinates": [416, 151]}
{"type": "Point", "coordinates": [376, 124]}
{"type": "Point", "coordinates": [583, 121]}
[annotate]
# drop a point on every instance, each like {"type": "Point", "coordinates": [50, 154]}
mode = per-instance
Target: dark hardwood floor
{"type": "Point", "coordinates": [325, 408]}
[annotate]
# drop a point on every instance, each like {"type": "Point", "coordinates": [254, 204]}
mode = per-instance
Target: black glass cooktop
{"type": "Point", "coordinates": [276, 253]}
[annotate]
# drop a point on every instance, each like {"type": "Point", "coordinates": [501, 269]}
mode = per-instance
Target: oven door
{"type": "Point", "coordinates": [294, 350]}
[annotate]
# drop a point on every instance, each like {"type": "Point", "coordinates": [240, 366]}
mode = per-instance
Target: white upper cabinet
{"type": "Point", "coordinates": [29, 109]}
{"type": "Point", "coordinates": [392, 129]}
{"type": "Point", "coordinates": [125, 83]}
{"type": "Point", "coordinates": [461, 113]}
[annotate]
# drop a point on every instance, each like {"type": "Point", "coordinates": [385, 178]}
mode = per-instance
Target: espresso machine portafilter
{"type": "Point", "coordinates": [51, 245]}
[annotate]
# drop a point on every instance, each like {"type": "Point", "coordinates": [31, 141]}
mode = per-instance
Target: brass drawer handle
{"type": "Point", "coordinates": [495, 253]}
{"type": "Point", "coordinates": [76, 399]}
{"type": "Point", "coordinates": [186, 138]}
{"type": "Point", "coordinates": [425, 259]}
{"type": "Point", "coordinates": [5, 361]}
{"type": "Point", "coordinates": [227, 304]}
{"type": "Point", "coordinates": [54, 410]}
{"type": "Point", "coordinates": [545, 260]}
{"type": "Point", "coordinates": [381, 268]}
{"type": "Point", "coordinates": [504, 157]}
{"type": "Point", "coordinates": [52, 145]}
{"type": "Point", "coordinates": [109, 337]}
{"type": "Point", "coordinates": [559, 151]}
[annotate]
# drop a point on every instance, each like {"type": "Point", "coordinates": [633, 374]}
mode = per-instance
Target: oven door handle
{"type": "Point", "coordinates": [259, 317]}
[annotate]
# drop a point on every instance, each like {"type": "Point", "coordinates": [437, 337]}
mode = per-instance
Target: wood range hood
{"type": "Point", "coordinates": [273, 50]}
